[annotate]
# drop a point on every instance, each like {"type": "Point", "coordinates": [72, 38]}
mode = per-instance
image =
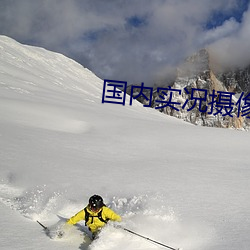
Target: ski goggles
{"type": "Point", "coordinates": [94, 208]}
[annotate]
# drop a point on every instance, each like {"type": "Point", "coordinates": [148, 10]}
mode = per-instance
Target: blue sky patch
{"type": "Point", "coordinates": [136, 21]}
{"type": "Point", "coordinates": [219, 17]}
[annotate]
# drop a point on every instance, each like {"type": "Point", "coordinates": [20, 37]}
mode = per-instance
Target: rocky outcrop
{"type": "Point", "coordinates": [236, 80]}
{"type": "Point", "coordinates": [190, 104]}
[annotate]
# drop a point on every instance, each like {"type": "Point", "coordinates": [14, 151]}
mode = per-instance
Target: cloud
{"type": "Point", "coordinates": [228, 28]}
{"type": "Point", "coordinates": [232, 50]}
{"type": "Point", "coordinates": [131, 40]}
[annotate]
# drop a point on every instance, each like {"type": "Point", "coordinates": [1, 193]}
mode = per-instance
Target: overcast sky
{"type": "Point", "coordinates": [131, 40]}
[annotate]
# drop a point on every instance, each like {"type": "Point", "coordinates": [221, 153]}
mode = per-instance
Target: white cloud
{"type": "Point", "coordinates": [233, 49]}
{"type": "Point", "coordinates": [228, 28]}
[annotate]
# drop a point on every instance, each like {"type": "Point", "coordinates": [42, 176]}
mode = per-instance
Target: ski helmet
{"type": "Point", "coordinates": [95, 202]}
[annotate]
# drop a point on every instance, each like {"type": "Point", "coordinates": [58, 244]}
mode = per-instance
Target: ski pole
{"type": "Point", "coordinates": [45, 228]}
{"type": "Point", "coordinates": [146, 238]}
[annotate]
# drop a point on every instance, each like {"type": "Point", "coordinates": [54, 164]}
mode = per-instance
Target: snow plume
{"type": "Point", "coordinates": [135, 41]}
{"type": "Point", "coordinates": [147, 215]}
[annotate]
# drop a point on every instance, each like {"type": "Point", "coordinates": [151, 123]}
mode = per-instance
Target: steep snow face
{"type": "Point", "coordinates": [32, 78]}
{"type": "Point", "coordinates": [179, 184]}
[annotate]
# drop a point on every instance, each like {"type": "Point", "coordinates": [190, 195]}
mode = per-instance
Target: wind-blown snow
{"type": "Point", "coordinates": [182, 185]}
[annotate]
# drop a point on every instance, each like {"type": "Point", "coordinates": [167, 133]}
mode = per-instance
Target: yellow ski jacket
{"type": "Point", "coordinates": [94, 223]}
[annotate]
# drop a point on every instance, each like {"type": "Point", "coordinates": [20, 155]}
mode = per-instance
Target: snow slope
{"type": "Point", "coordinates": [176, 183]}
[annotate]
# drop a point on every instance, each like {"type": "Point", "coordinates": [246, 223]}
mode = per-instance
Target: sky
{"type": "Point", "coordinates": [133, 40]}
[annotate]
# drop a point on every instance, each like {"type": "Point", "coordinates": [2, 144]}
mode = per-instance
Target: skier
{"type": "Point", "coordinates": [95, 214]}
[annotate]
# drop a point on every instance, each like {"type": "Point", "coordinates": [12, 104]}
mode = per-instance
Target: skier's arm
{"type": "Point", "coordinates": [110, 214]}
{"type": "Point", "coordinates": [77, 217]}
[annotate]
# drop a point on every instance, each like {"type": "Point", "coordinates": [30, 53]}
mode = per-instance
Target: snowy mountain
{"type": "Point", "coordinates": [182, 185]}
{"type": "Point", "coordinates": [197, 73]}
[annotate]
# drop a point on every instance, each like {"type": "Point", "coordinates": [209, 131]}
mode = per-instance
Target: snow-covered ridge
{"type": "Point", "coordinates": [35, 75]}
{"type": "Point", "coordinates": [43, 67]}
